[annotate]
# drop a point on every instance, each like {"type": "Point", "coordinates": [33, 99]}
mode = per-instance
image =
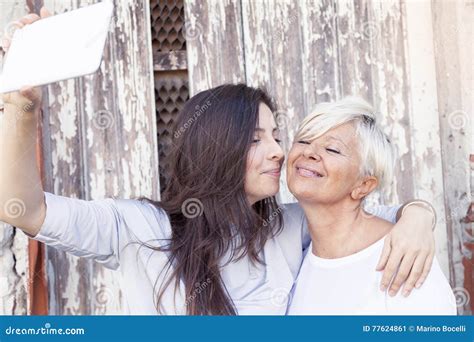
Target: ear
{"type": "Point", "coordinates": [366, 186]}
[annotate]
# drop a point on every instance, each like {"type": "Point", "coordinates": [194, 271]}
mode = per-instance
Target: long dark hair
{"type": "Point", "coordinates": [205, 199]}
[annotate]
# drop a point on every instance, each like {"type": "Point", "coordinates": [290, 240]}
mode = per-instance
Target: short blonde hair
{"type": "Point", "coordinates": [375, 150]}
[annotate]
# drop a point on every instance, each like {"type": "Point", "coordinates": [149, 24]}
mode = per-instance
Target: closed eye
{"type": "Point", "coordinates": [332, 151]}
{"type": "Point", "coordinates": [303, 142]}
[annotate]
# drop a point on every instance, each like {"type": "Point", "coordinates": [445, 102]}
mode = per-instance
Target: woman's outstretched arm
{"type": "Point", "coordinates": [22, 201]}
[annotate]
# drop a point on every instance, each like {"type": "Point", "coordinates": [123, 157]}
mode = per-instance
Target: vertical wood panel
{"type": "Point", "coordinates": [355, 30]}
{"type": "Point", "coordinates": [452, 27]}
{"type": "Point", "coordinates": [214, 39]}
{"type": "Point", "coordinates": [390, 89]}
{"type": "Point", "coordinates": [103, 144]}
{"type": "Point", "coordinates": [319, 52]}
{"type": "Point", "coordinates": [426, 148]}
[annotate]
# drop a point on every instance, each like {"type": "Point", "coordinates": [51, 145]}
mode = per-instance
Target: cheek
{"type": "Point", "coordinates": [292, 156]}
{"type": "Point", "coordinates": [294, 151]}
{"type": "Point", "coordinates": [253, 161]}
{"type": "Point", "coordinates": [253, 166]}
{"type": "Point", "coordinates": [343, 174]}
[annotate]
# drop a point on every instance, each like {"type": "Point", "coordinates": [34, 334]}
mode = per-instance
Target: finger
{"type": "Point", "coordinates": [390, 269]}
{"type": "Point", "coordinates": [44, 13]}
{"type": "Point", "coordinates": [385, 253]}
{"type": "Point", "coordinates": [29, 19]}
{"type": "Point", "coordinates": [9, 32]}
{"type": "Point", "coordinates": [5, 44]}
{"type": "Point", "coordinates": [426, 270]}
{"type": "Point", "coordinates": [402, 273]}
{"type": "Point", "coordinates": [415, 274]}
{"type": "Point", "coordinates": [32, 99]}
{"type": "Point", "coordinates": [11, 28]}
{"type": "Point", "coordinates": [28, 92]}
{"type": "Point", "coordinates": [17, 24]}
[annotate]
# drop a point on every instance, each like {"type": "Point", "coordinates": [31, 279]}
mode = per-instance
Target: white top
{"type": "Point", "coordinates": [351, 286]}
{"type": "Point", "coordinates": [103, 230]}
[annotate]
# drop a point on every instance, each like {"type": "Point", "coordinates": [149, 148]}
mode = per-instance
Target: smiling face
{"type": "Point", "coordinates": [264, 159]}
{"type": "Point", "coordinates": [327, 169]}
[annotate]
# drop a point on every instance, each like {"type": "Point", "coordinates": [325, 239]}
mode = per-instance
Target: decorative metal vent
{"type": "Point", "coordinates": [167, 25]}
{"type": "Point", "coordinates": [171, 76]}
{"type": "Point", "coordinates": [171, 93]}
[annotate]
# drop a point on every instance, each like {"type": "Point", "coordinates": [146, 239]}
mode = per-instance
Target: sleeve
{"type": "Point", "coordinates": [88, 229]}
{"type": "Point", "coordinates": [384, 212]}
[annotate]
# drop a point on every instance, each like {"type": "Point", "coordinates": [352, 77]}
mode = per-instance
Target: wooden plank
{"type": "Point", "coordinates": [390, 90]}
{"type": "Point", "coordinates": [68, 276]}
{"type": "Point", "coordinates": [355, 31]}
{"type": "Point", "coordinates": [172, 60]}
{"type": "Point", "coordinates": [103, 144]}
{"type": "Point", "coordinates": [425, 127]}
{"type": "Point", "coordinates": [452, 28]}
{"type": "Point", "coordinates": [14, 269]}
{"type": "Point", "coordinates": [214, 43]}
{"type": "Point", "coordinates": [319, 52]}
{"type": "Point", "coordinates": [122, 153]}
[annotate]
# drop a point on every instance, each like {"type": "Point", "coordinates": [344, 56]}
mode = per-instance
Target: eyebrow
{"type": "Point", "coordinates": [258, 129]}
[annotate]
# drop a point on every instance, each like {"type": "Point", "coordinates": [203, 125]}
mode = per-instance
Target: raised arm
{"type": "Point", "coordinates": [21, 194]}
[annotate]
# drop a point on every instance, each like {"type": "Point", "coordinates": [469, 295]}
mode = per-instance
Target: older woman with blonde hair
{"type": "Point", "coordinates": [340, 156]}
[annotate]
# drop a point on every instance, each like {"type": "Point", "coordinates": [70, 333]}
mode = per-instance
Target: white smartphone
{"type": "Point", "coordinates": [57, 48]}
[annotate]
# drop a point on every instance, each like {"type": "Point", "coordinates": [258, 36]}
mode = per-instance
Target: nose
{"type": "Point", "coordinates": [276, 152]}
{"type": "Point", "coordinates": [312, 152]}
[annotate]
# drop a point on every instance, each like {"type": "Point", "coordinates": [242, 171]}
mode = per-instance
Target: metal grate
{"type": "Point", "coordinates": [167, 25]}
{"type": "Point", "coordinates": [171, 93]}
{"type": "Point", "coordinates": [171, 76]}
